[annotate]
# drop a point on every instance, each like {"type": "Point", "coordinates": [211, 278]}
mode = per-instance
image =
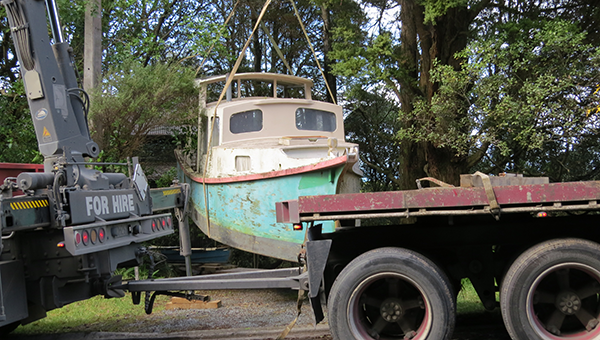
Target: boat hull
{"type": "Point", "coordinates": [242, 212]}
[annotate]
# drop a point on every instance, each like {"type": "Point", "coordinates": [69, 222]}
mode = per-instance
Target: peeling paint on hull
{"type": "Point", "coordinates": [242, 214]}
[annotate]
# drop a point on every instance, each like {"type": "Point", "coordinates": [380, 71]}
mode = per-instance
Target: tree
{"type": "Point", "coordinates": [134, 100]}
{"type": "Point", "coordinates": [16, 130]}
{"type": "Point", "coordinates": [429, 67]}
{"type": "Point", "coordinates": [534, 96]}
{"type": "Point", "coordinates": [379, 149]}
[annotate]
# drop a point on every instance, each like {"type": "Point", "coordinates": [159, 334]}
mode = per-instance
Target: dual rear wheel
{"type": "Point", "coordinates": [551, 292]}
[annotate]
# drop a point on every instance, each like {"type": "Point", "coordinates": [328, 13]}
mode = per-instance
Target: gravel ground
{"type": "Point", "coordinates": [254, 314]}
{"type": "Point", "coordinates": [240, 309]}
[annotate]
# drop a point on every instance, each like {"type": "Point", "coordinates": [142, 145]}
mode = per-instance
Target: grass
{"type": "Point", "coordinates": [116, 315]}
{"type": "Point", "coordinates": [468, 301]}
{"type": "Point", "coordinates": [92, 315]}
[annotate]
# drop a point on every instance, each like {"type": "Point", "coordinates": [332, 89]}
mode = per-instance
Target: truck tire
{"type": "Point", "coordinates": [391, 293]}
{"type": "Point", "coordinates": [551, 292]}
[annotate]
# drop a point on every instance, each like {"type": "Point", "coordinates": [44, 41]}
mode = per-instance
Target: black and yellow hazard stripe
{"type": "Point", "coordinates": [29, 204]}
{"type": "Point", "coordinates": [171, 192]}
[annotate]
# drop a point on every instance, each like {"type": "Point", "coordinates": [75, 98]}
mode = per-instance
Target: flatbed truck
{"type": "Point", "coordinates": [529, 248]}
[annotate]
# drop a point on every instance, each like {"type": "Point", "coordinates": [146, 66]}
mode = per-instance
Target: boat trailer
{"type": "Point", "coordinates": [307, 277]}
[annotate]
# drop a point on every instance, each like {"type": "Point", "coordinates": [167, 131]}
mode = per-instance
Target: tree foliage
{"type": "Point", "coordinates": [16, 129]}
{"type": "Point", "coordinates": [136, 99]}
{"type": "Point", "coordinates": [532, 95]}
{"type": "Point", "coordinates": [482, 85]}
{"type": "Point", "coordinates": [380, 153]}
{"type": "Point", "coordinates": [494, 86]}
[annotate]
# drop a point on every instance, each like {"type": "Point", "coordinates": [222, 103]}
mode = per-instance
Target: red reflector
{"type": "Point", "coordinates": [61, 244]}
{"type": "Point", "coordinates": [77, 239]}
{"type": "Point", "coordinates": [101, 235]}
{"type": "Point", "coordinates": [169, 222]}
{"type": "Point", "coordinates": [542, 214]}
{"type": "Point", "coordinates": [298, 226]}
{"type": "Point", "coordinates": [85, 237]}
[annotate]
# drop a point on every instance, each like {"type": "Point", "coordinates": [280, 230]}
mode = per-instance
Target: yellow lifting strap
{"type": "Point", "coordinates": [276, 47]}
{"type": "Point", "coordinates": [213, 44]}
{"type": "Point", "coordinates": [223, 92]}
{"type": "Point", "coordinates": [313, 51]}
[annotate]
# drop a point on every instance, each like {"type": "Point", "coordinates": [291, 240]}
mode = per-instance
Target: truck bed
{"type": "Point", "coordinates": [446, 201]}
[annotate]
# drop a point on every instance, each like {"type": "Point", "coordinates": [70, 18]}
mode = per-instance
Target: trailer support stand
{"type": "Point", "coordinates": [317, 253]}
{"type": "Point", "coordinates": [185, 244]}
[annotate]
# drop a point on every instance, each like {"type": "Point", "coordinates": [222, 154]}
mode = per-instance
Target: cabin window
{"type": "Point", "coordinates": [315, 120]}
{"type": "Point", "coordinates": [247, 121]}
{"type": "Point", "coordinates": [242, 163]}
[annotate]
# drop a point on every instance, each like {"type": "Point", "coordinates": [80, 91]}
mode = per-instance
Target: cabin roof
{"type": "Point", "coordinates": [281, 79]}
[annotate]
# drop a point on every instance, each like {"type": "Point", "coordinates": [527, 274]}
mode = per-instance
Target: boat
{"type": "Point", "coordinates": [254, 151]}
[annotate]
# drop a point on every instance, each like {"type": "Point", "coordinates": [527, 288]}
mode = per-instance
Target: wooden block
{"type": "Point", "coordinates": [181, 303]}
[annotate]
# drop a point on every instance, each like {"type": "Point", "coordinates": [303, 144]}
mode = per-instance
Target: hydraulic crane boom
{"type": "Point", "coordinates": [58, 105]}
{"type": "Point", "coordinates": [63, 239]}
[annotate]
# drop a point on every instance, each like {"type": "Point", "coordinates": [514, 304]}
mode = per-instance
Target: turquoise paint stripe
{"type": "Point", "coordinates": [249, 207]}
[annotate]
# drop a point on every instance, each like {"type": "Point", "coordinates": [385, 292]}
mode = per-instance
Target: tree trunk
{"type": "Point", "coordinates": [329, 78]}
{"type": "Point", "coordinates": [256, 46]}
{"type": "Point", "coordinates": [421, 45]}
{"type": "Point", "coordinates": [413, 155]}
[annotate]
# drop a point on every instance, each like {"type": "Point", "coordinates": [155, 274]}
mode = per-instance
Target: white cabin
{"type": "Point", "coordinates": [254, 135]}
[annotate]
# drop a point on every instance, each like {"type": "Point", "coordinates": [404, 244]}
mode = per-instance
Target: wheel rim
{"type": "Point", "coordinates": [563, 303]}
{"type": "Point", "coordinates": [389, 306]}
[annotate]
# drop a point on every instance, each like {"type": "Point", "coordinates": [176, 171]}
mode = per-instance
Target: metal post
{"type": "Point", "coordinates": [92, 55]}
{"type": "Point", "coordinates": [185, 244]}
{"type": "Point", "coordinates": [202, 141]}
{"type": "Point", "coordinates": [229, 94]}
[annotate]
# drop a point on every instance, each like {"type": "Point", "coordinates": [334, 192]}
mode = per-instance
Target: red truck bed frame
{"type": "Point", "coordinates": [569, 196]}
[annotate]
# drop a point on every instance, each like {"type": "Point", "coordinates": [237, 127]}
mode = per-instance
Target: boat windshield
{"type": "Point", "coordinates": [315, 120]}
{"type": "Point", "coordinates": [247, 121]}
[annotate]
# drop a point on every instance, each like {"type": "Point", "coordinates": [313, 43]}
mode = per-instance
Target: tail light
{"type": "Point", "coordinates": [85, 237]}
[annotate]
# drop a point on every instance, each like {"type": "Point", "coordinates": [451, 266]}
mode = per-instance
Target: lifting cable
{"type": "Point", "coordinates": [301, 293]}
{"type": "Point", "coordinates": [229, 81]}
{"type": "Point", "coordinates": [217, 39]}
{"type": "Point", "coordinates": [313, 51]}
{"type": "Point", "coordinates": [223, 92]}
{"type": "Point", "coordinates": [276, 47]}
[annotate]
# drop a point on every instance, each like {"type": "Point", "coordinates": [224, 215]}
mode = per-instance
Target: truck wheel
{"type": "Point", "coordinates": [551, 292]}
{"type": "Point", "coordinates": [391, 293]}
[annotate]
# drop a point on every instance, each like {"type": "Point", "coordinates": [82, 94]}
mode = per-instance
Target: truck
{"type": "Point", "coordinates": [529, 247]}
{"type": "Point", "coordinates": [65, 225]}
